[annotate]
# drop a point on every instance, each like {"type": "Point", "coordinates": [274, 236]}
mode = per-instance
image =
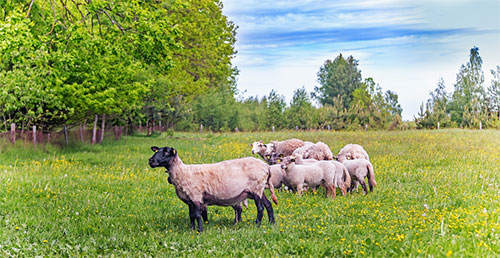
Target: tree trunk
{"type": "Point", "coordinates": [5, 122]}
{"type": "Point", "coordinates": [81, 133]}
{"type": "Point", "coordinates": [117, 136]}
{"type": "Point", "coordinates": [103, 123]}
{"type": "Point", "coordinates": [94, 130]}
{"type": "Point", "coordinates": [126, 131]}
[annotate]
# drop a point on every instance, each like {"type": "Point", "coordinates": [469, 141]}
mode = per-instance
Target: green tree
{"type": "Point", "coordinates": [339, 77]}
{"type": "Point", "coordinates": [216, 109]}
{"type": "Point", "coordinates": [494, 91]}
{"type": "Point", "coordinates": [301, 113]}
{"type": "Point", "coordinates": [469, 86]}
{"type": "Point", "coordinates": [202, 61]}
{"type": "Point", "coordinates": [275, 106]}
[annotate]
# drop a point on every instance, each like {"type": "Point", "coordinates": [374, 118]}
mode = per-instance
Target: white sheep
{"type": "Point", "coordinates": [359, 169]}
{"type": "Point", "coordinates": [342, 177]}
{"type": "Point", "coordinates": [259, 148]}
{"type": "Point", "coordinates": [285, 147]}
{"type": "Point", "coordinates": [225, 183]}
{"type": "Point", "coordinates": [312, 175]}
{"type": "Point", "coordinates": [352, 151]}
{"type": "Point", "coordinates": [318, 151]}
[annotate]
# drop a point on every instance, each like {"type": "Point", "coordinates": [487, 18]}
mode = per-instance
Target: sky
{"type": "Point", "coordinates": [405, 46]}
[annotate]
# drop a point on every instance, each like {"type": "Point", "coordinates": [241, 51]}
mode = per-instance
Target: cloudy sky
{"type": "Point", "coordinates": [405, 46]}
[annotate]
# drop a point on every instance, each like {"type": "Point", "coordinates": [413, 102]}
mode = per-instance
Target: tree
{"type": "Point", "coordinates": [84, 58]}
{"type": "Point", "coordinates": [216, 109]}
{"type": "Point", "coordinates": [301, 113]}
{"type": "Point", "coordinates": [339, 77]}
{"type": "Point", "coordinates": [202, 61]}
{"type": "Point", "coordinates": [469, 86]}
{"type": "Point", "coordinates": [494, 92]}
{"type": "Point", "coordinates": [393, 106]}
{"type": "Point", "coordinates": [275, 105]}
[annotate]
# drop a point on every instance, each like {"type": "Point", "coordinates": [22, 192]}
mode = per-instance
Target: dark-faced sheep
{"type": "Point", "coordinates": [359, 169]}
{"type": "Point", "coordinates": [225, 183]}
{"type": "Point", "coordinates": [352, 151]}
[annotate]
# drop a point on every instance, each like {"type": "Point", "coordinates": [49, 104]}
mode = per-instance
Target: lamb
{"type": "Point", "coordinates": [277, 175]}
{"type": "Point", "coordinates": [285, 147]}
{"type": "Point", "coordinates": [320, 173]}
{"type": "Point", "coordinates": [318, 151]}
{"type": "Point", "coordinates": [359, 169]}
{"type": "Point", "coordinates": [225, 183]}
{"type": "Point", "coordinates": [352, 151]}
{"type": "Point", "coordinates": [342, 177]}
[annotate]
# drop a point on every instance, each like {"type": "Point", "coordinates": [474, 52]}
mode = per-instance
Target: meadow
{"type": "Point", "coordinates": [437, 194]}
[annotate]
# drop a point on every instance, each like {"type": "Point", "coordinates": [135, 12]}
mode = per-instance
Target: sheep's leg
{"type": "Point", "coordinates": [269, 208]}
{"type": "Point", "coordinates": [354, 186]}
{"type": "Point", "coordinates": [197, 215]}
{"type": "Point", "coordinates": [334, 191]}
{"type": "Point", "coordinates": [204, 214]}
{"type": "Point", "coordinates": [343, 189]}
{"type": "Point", "coordinates": [237, 213]}
{"type": "Point", "coordinates": [363, 184]}
{"type": "Point", "coordinates": [191, 215]}
{"type": "Point", "coordinates": [260, 208]}
{"type": "Point", "coordinates": [299, 189]}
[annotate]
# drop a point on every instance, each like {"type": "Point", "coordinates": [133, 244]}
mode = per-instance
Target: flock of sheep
{"type": "Point", "coordinates": [293, 163]}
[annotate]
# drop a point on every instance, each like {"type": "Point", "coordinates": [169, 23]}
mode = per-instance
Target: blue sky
{"type": "Point", "coordinates": [405, 46]}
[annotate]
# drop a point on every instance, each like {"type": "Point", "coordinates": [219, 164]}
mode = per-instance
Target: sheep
{"type": "Point", "coordinates": [278, 176]}
{"type": "Point", "coordinates": [342, 177]}
{"type": "Point", "coordinates": [225, 183]}
{"type": "Point", "coordinates": [285, 147]}
{"type": "Point", "coordinates": [352, 151]}
{"type": "Point", "coordinates": [359, 169]}
{"type": "Point", "coordinates": [318, 151]}
{"type": "Point", "coordinates": [319, 173]}
{"type": "Point", "coordinates": [259, 148]}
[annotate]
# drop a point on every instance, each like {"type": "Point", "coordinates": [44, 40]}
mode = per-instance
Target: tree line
{"type": "Point", "coordinates": [470, 105]}
{"type": "Point", "coordinates": [120, 63]}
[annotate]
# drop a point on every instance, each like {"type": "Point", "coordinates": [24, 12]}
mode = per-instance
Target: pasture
{"type": "Point", "coordinates": [437, 194]}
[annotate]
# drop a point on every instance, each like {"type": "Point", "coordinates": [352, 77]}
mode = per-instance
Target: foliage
{"type": "Point", "coordinates": [436, 195]}
{"type": "Point", "coordinates": [339, 77]}
{"type": "Point", "coordinates": [216, 109]}
{"type": "Point", "coordinates": [469, 86]}
{"type": "Point", "coordinates": [469, 105]}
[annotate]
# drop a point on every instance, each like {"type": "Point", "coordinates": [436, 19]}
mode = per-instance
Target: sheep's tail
{"type": "Point", "coordinates": [371, 177]}
{"type": "Point", "coordinates": [347, 179]}
{"type": "Point", "coordinates": [271, 187]}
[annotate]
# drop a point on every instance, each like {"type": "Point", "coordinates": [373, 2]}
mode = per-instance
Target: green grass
{"type": "Point", "coordinates": [438, 194]}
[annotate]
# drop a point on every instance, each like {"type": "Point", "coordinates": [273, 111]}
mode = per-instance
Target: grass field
{"type": "Point", "coordinates": [438, 194]}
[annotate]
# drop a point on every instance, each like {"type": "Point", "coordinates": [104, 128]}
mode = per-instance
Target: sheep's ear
{"type": "Point", "coordinates": [281, 155]}
{"type": "Point", "coordinates": [174, 151]}
{"type": "Point", "coordinates": [279, 160]}
{"type": "Point", "coordinates": [154, 149]}
{"type": "Point", "coordinates": [268, 156]}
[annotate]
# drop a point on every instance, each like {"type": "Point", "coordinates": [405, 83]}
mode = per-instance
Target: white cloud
{"type": "Point", "coordinates": [406, 46]}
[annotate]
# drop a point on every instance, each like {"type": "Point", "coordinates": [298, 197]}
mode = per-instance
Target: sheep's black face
{"type": "Point", "coordinates": [163, 157]}
{"type": "Point", "coordinates": [274, 158]}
